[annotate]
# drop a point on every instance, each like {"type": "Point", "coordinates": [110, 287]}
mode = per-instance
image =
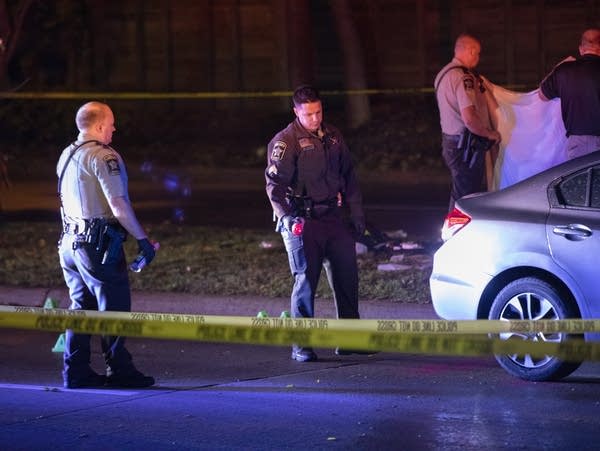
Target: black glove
{"type": "Point", "coordinates": [147, 248]}
{"type": "Point", "coordinates": [359, 226]}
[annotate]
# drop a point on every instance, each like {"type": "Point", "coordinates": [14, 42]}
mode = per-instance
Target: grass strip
{"type": "Point", "coordinates": [209, 261]}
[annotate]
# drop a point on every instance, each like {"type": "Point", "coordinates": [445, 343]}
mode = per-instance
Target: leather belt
{"type": "Point", "coordinates": [324, 208]}
{"type": "Point", "coordinates": [74, 228]}
{"type": "Point", "coordinates": [329, 202]}
{"type": "Point", "coordinates": [81, 226]}
{"type": "Point", "coordinates": [450, 137]}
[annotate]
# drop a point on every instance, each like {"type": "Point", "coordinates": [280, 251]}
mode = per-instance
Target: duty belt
{"type": "Point", "coordinates": [308, 208]}
{"type": "Point", "coordinates": [75, 228]}
{"type": "Point", "coordinates": [84, 226]}
{"type": "Point", "coordinates": [450, 137]}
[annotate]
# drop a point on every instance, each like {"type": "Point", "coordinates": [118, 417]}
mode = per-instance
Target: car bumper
{"type": "Point", "coordinates": [456, 299]}
{"type": "Point", "coordinates": [460, 274]}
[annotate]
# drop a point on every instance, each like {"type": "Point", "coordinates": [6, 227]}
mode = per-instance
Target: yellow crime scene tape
{"type": "Point", "coordinates": [148, 95]}
{"type": "Point", "coordinates": [465, 338]}
{"type": "Point", "coordinates": [140, 95]}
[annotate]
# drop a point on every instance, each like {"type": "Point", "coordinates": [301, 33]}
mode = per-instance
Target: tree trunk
{"type": "Point", "coordinates": [10, 31]}
{"type": "Point", "coordinates": [359, 110]}
{"type": "Point", "coordinates": [4, 35]}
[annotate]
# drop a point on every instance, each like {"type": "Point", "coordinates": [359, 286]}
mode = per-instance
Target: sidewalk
{"type": "Point", "coordinates": [168, 302]}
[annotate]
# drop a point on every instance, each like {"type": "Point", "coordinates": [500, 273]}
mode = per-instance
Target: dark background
{"type": "Point", "coordinates": [208, 81]}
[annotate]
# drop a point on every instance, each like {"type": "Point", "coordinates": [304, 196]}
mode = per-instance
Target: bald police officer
{"type": "Point", "coordinates": [309, 176]}
{"type": "Point", "coordinates": [97, 215]}
{"type": "Point", "coordinates": [577, 83]}
{"type": "Point", "coordinates": [460, 94]}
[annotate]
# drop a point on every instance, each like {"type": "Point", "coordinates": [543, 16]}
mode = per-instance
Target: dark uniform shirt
{"type": "Point", "coordinates": [577, 83]}
{"type": "Point", "coordinates": [318, 167]}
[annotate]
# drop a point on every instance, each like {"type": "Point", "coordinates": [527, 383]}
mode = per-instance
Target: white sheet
{"type": "Point", "coordinates": [533, 135]}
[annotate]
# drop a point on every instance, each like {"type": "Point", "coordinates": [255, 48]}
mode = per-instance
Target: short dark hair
{"type": "Point", "coordinates": [305, 94]}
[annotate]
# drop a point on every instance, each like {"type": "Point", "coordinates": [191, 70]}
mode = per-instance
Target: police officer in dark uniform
{"type": "Point", "coordinates": [309, 178]}
{"type": "Point", "coordinates": [577, 83]}
{"type": "Point", "coordinates": [97, 215]}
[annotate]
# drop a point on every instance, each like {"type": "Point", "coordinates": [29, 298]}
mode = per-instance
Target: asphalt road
{"type": "Point", "coordinates": [249, 397]}
{"type": "Point", "coordinates": [236, 397]}
{"type": "Point", "coordinates": [413, 203]}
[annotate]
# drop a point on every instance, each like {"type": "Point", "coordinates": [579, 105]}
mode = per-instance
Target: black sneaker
{"type": "Point", "coordinates": [91, 380]}
{"type": "Point", "coordinates": [303, 354]}
{"type": "Point", "coordinates": [129, 379]}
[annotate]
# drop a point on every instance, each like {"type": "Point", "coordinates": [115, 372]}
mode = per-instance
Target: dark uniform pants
{"type": "Point", "coordinates": [93, 286]}
{"type": "Point", "coordinates": [327, 240]}
{"type": "Point", "coordinates": [467, 176]}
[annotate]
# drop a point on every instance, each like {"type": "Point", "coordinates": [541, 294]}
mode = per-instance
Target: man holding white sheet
{"type": "Point", "coordinates": [577, 83]}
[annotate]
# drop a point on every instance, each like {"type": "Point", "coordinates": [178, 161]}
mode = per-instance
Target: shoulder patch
{"type": "Point", "coordinates": [278, 150]}
{"type": "Point", "coordinates": [112, 164]}
{"type": "Point", "coordinates": [468, 82]}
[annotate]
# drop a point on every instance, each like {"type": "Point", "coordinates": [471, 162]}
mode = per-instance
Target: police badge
{"type": "Point", "coordinates": [306, 144]}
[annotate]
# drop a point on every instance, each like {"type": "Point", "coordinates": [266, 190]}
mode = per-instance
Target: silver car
{"type": "Point", "coordinates": [529, 251]}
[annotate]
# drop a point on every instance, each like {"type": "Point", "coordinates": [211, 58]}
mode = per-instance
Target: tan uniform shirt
{"type": "Point", "coordinates": [94, 174]}
{"type": "Point", "coordinates": [456, 90]}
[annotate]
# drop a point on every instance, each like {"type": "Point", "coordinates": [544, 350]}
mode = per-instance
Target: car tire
{"type": "Point", "coordinates": [530, 299]}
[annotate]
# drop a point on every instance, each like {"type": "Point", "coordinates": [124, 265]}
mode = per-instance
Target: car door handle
{"type": "Point", "coordinates": [573, 232]}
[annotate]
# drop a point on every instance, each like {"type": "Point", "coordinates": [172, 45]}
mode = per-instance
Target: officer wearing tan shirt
{"type": "Point", "coordinates": [462, 102]}
{"type": "Point", "coordinates": [97, 216]}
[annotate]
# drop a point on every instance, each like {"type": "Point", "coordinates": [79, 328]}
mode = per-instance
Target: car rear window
{"type": "Point", "coordinates": [596, 187]}
{"type": "Point", "coordinates": [581, 189]}
{"type": "Point", "coordinates": [574, 190]}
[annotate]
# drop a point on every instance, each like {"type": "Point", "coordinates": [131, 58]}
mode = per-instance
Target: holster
{"type": "Point", "coordinates": [110, 242]}
{"type": "Point", "coordinates": [471, 145]}
{"type": "Point", "coordinates": [301, 205]}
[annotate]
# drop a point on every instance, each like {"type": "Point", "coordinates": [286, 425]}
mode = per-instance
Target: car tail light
{"type": "Point", "coordinates": [455, 221]}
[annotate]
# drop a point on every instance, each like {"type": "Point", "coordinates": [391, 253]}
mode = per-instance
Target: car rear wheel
{"type": "Point", "coordinates": [532, 299]}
